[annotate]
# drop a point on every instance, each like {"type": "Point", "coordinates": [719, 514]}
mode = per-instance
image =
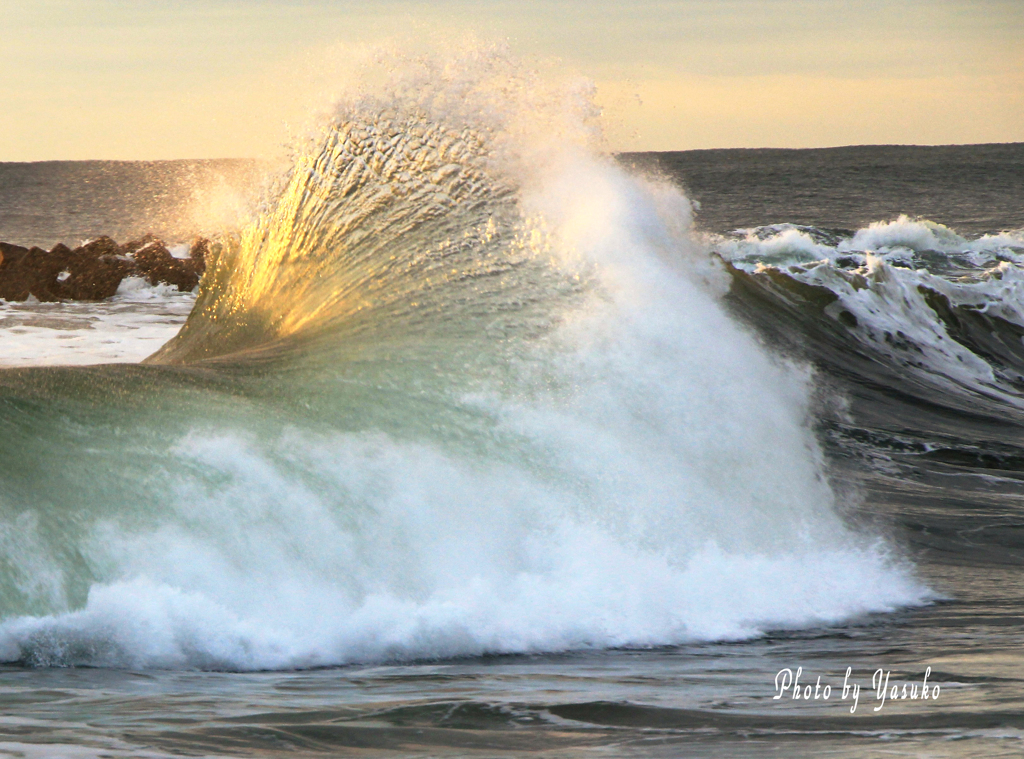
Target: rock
{"type": "Point", "coordinates": [43, 271]}
{"type": "Point", "coordinates": [32, 271]}
{"type": "Point", "coordinates": [200, 254]}
{"type": "Point", "coordinates": [157, 265]}
{"type": "Point", "coordinates": [101, 246]}
{"type": "Point", "coordinates": [94, 278]}
{"type": "Point", "coordinates": [14, 284]}
{"type": "Point", "coordinates": [94, 271]}
{"type": "Point", "coordinates": [129, 248]}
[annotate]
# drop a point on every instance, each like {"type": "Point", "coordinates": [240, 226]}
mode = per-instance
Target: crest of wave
{"type": "Point", "coordinates": [399, 189]}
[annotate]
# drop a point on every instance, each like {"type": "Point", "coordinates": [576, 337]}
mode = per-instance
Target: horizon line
{"type": "Point", "coordinates": [614, 152]}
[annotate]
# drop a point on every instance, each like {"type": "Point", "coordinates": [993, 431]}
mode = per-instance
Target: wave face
{"type": "Point", "coordinates": [936, 308]}
{"type": "Point", "coordinates": [464, 386]}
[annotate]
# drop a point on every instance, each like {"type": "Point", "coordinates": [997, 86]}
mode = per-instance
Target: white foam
{"type": "Point", "coordinates": [892, 241]}
{"type": "Point", "coordinates": [880, 276]}
{"type": "Point", "coordinates": [788, 244]}
{"type": "Point", "coordinates": [123, 329]}
{"type": "Point", "coordinates": [435, 557]}
{"type": "Point", "coordinates": [904, 232]}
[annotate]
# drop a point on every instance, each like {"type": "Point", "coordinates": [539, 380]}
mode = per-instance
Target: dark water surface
{"type": "Point", "coordinates": [974, 189]}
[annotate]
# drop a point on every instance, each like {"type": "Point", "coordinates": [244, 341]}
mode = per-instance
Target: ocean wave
{"type": "Point", "coordinates": [465, 386]}
{"type": "Point", "coordinates": [904, 241]}
{"type": "Point", "coordinates": [914, 293]}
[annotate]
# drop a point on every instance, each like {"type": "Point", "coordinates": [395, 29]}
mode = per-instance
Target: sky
{"type": "Point", "coordinates": [158, 79]}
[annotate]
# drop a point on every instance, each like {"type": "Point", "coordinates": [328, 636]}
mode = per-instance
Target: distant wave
{"type": "Point", "coordinates": [943, 308]}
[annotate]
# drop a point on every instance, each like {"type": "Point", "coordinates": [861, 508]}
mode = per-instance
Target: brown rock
{"type": "Point", "coordinates": [129, 248]}
{"type": "Point", "coordinates": [101, 246]}
{"type": "Point", "coordinates": [88, 276]}
{"type": "Point", "coordinates": [200, 254]}
{"type": "Point", "coordinates": [94, 271]}
{"type": "Point", "coordinates": [157, 265]}
{"type": "Point", "coordinates": [14, 282]}
{"type": "Point", "coordinates": [42, 270]}
{"type": "Point", "coordinates": [33, 271]}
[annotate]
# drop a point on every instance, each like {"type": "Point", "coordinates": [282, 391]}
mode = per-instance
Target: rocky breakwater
{"type": "Point", "coordinates": [94, 270]}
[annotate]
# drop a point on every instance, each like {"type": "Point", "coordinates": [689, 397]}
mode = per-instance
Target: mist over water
{"type": "Point", "coordinates": [462, 386]}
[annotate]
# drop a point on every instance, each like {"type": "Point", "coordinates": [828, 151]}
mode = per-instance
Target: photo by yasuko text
{"type": "Point", "coordinates": [788, 684]}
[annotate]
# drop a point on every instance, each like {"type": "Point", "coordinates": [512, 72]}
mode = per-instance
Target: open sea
{"type": "Point", "coordinates": [477, 442]}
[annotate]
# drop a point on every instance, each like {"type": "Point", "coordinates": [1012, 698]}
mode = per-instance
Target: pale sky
{"type": "Point", "coordinates": [152, 79]}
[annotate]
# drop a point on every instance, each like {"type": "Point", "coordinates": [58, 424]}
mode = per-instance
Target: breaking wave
{"type": "Point", "coordinates": [912, 293]}
{"type": "Point", "coordinates": [463, 386]}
